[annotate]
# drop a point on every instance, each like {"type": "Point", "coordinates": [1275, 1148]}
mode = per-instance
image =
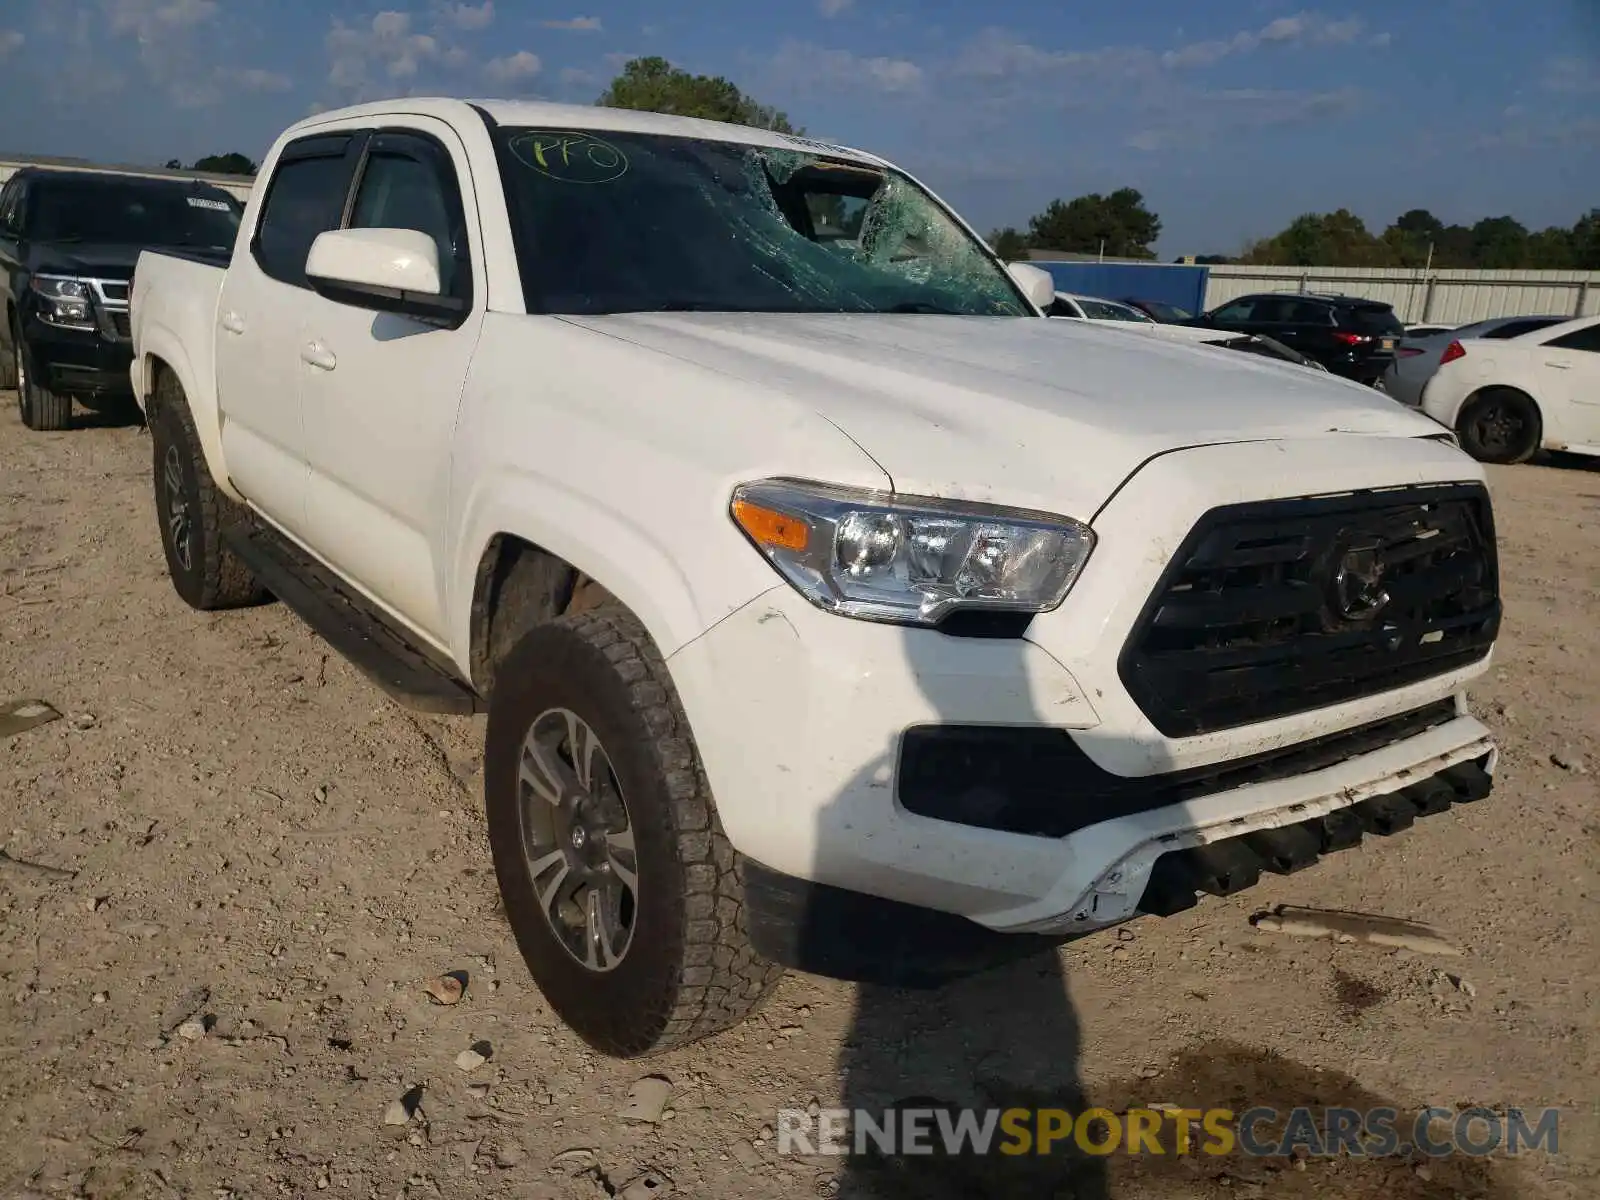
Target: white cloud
{"type": "Point", "coordinates": [578, 77]}
{"type": "Point", "coordinates": [832, 8]}
{"type": "Point", "coordinates": [10, 39]}
{"type": "Point", "coordinates": [577, 25]}
{"type": "Point", "coordinates": [254, 79]}
{"type": "Point", "coordinates": [1193, 119]}
{"type": "Point", "coordinates": [1571, 76]}
{"type": "Point", "coordinates": [386, 47]}
{"type": "Point", "coordinates": [513, 68]}
{"type": "Point", "coordinates": [470, 16]}
{"type": "Point", "coordinates": [803, 67]}
{"type": "Point", "coordinates": [1302, 29]}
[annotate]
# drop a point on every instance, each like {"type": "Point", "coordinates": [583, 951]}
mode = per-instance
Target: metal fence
{"type": "Point", "coordinates": [1450, 297]}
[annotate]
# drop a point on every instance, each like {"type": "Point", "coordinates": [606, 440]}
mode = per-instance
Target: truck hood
{"type": "Point", "coordinates": [1053, 415]}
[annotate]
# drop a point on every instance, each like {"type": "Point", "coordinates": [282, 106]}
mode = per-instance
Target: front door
{"type": "Point", "coordinates": [1569, 369]}
{"type": "Point", "coordinates": [259, 318]}
{"type": "Point", "coordinates": [381, 390]}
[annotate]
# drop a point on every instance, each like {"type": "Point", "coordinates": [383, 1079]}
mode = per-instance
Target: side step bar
{"type": "Point", "coordinates": [411, 675]}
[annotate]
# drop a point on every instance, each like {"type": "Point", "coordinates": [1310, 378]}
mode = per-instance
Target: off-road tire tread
{"type": "Point", "coordinates": [721, 980]}
{"type": "Point", "coordinates": [225, 580]}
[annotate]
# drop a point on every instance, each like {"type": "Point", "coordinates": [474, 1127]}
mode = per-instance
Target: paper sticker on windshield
{"type": "Point", "coordinates": [569, 156]}
{"type": "Point", "coordinates": [200, 202]}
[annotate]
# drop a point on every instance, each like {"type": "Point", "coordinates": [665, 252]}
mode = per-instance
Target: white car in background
{"type": "Point", "coordinates": [1417, 357]}
{"type": "Point", "coordinates": [1095, 311]}
{"type": "Point", "coordinates": [1508, 399]}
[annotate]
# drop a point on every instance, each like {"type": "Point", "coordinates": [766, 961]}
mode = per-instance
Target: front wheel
{"type": "Point", "coordinates": [623, 892]}
{"type": "Point", "coordinates": [1500, 425]}
{"type": "Point", "coordinates": [40, 408]}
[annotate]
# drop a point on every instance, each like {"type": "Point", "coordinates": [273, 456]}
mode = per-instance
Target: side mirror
{"type": "Point", "coordinates": [389, 270]}
{"type": "Point", "coordinates": [1039, 286]}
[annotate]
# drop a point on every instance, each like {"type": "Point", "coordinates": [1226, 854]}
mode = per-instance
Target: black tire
{"type": "Point", "coordinates": [1500, 425]}
{"type": "Point", "coordinates": [204, 572]}
{"type": "Point", "coordinates": [688, 969]}
{"type": "Point", "coordinates": [8, 360]}
{"type": "Point", "coordinates": [40, 408]}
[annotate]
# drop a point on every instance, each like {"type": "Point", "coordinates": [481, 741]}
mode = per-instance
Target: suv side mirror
{"type": "Point", "coordinates": [388, 270]}
{"type": "Point", "coordinates": [1038, 285]}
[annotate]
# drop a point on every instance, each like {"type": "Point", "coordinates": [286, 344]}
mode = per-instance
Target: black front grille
{"type": "Point", "coordinates": [122, 323]}
{"type": "Point", "coordinates": [1282, 607]}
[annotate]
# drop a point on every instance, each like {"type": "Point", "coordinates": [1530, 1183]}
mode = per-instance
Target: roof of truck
{"type": "Point", "coordinates": [534, 114]}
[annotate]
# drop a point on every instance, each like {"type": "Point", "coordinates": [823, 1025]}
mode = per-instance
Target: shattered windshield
{"type": "Point", "coordinates": [627, 222]}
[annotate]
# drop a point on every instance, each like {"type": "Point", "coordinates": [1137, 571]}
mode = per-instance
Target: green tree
{"type": "Point", "coordinates": [1499, 244]}
{"type": "Point", "coordinates": [1336, 239]}
{"type": "Point", "coordinates": [232, 163]}
{"type": "Point", "coordinates": [1118, 224]}
{"type": "Point", "coordinates": [655, 85]}
{"type": "Point", "coordinates": [1549, 250]}
{"type": "Point", "coordinates": [1586, 242]}
{"type": "Point", "coordinates": [1008, 244]}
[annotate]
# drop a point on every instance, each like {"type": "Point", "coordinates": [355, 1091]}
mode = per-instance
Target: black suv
{"type": "Point", "coordinates": [1352, 337]}
{"type": "Point", "coordinates": [68, 244]}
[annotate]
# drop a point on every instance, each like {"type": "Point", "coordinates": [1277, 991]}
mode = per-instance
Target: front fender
{"type": "Point", "coordinates": [630, 561]}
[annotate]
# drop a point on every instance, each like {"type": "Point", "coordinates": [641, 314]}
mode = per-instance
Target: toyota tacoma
{"type": "Point", "coordinates": [830, 608]}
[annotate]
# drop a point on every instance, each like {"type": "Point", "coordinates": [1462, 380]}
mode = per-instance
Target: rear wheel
{"type": "Point", "coordinates": [1500, 425]}
{"type": "Point", "coordinates": [626, 899]}
{"type": "Point", "coordinates": [193, 512]}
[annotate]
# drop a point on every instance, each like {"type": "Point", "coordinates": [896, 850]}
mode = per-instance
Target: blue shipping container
{"type": "Point", "coordinates": [1171, 283]}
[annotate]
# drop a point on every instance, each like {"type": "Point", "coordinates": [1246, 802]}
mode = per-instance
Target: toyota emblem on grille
{"type": "Point", "coordinates": [1358, 591]}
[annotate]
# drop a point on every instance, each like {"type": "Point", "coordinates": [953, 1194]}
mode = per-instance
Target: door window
{"type": "Point", "coordinates": [1579, 339]}
{"type": "Point", "coordinates": [8, 209]}
{"type": "Point", "coordinates": [409, 183]}
{"type": "Point", "coordinates": [304, 198]}
{"type": "Point", "coordinates": [1237, 313]}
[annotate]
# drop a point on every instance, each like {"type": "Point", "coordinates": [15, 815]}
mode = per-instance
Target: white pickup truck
{"type": "Point", "coordinates": [830, 608]}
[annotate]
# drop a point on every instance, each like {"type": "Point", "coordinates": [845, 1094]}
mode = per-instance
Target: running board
{"type": "Point", "coordinates": [412, 676]}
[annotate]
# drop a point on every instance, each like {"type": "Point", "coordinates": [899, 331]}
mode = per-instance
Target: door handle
{"type": "Point", "coordinates": [233, 322]}
{"type": "Point", "coordinates": [315, 354]}
{"type": "Point", "coordinates": [1558, 366]}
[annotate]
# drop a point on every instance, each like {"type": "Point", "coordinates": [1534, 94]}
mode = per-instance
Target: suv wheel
{"type": "Point", "coordinates": [192, 511]}
{"type": "Point", "coordinates": [1500, 425]}
{"type": "Point", "coordinates": [625, 897]}
{"type": "Point", "coordinates": [39, 407]}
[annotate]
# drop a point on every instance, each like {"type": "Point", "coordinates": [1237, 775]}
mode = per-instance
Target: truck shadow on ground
{"type": "Point", "coordinates": [1004, 1035]}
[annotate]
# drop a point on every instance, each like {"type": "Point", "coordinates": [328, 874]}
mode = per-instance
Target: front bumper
{"type": "Point", "coordinates": [80, 362]}
{"type": "Point", "coordinates": [800, 717]}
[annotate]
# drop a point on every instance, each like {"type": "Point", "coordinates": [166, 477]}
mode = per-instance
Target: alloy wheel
{"type": "Point", "coordinates": [180, 529]}
{"type": "Point", "coordinates": [577, 837]}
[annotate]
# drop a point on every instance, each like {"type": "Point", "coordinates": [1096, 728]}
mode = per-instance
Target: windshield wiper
{"type": "Point", "coordinates": [922, 306]}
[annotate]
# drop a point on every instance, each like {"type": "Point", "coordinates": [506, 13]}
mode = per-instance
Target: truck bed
{"type": "Point", "coordinates": [173, 317]}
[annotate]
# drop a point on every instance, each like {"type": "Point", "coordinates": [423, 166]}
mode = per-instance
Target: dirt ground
{"type": "Point", "coordinates": [262, 841]}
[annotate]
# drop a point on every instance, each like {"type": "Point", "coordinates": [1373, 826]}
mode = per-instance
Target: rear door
{"type": "Point", "coordinates": [259, 316]}
{"type": "Point", "coordinates": [381, 390]}
{"type": "Point", "coordinates": [1236, 315]}
{"type": "Point", "coordinates": [1569, 368]}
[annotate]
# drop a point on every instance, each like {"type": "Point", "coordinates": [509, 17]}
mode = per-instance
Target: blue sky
{"type": "Point", "coordinates": [1231, 117]}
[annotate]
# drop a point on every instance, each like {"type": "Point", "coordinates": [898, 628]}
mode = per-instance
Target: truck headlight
{"type": "Point", "coordinates": [63, 301]}
{"type": "Point", "coordinates": [909, 559]}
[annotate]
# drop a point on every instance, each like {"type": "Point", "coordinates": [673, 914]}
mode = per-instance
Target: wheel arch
{"type": "Point", "coordinates": [164, 354]}
{"type": "Point", "coordinates": [520, 577]}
